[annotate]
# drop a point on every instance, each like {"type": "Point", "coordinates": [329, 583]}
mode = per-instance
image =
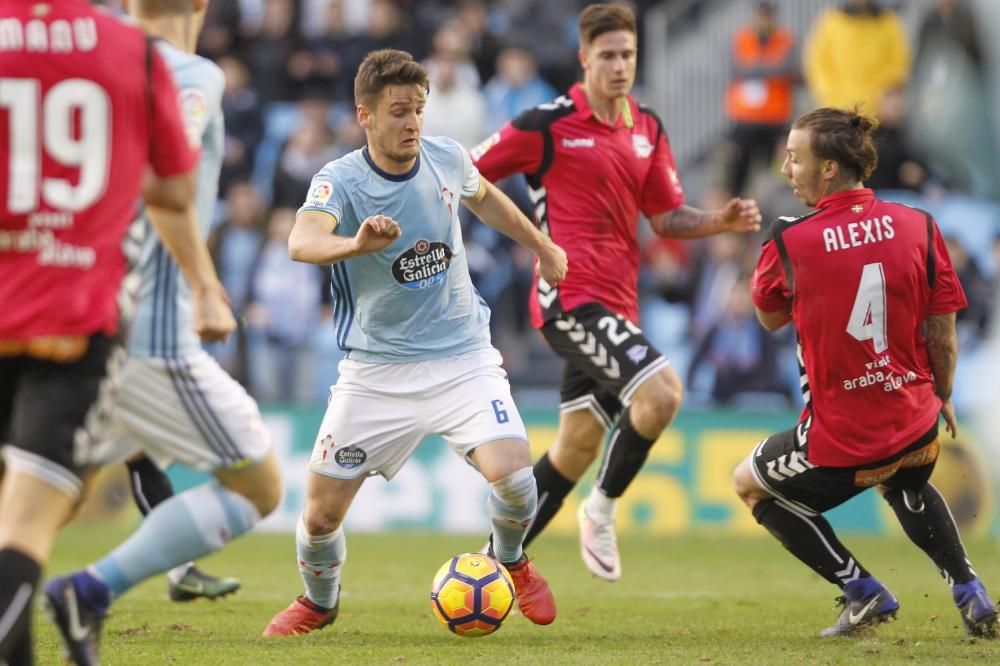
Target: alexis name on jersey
{"type": "Point", "coordinates": [857, 234]}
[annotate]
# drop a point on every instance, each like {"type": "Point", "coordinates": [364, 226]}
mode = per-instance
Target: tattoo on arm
{"type": "Point", "coordinates": [687, 222]}
{"type": "Point", "coordinates": [942, 349]}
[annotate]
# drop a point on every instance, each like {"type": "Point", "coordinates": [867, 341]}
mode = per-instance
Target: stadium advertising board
{"type": "Point", "coordinates": [686, 484]}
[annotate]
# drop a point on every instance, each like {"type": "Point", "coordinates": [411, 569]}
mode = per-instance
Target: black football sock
{"type": "Point", "coordinates": [552, 490]}
{"type": "Point", "coordinates": [19, 575]}
{"type": "Point", "coordinates": [929, 524]}
{"type": "Point", "coordinates": [626, 453]}
{"type": "Point", "coordinates": [812, 540]}
{"type": "Point", "coordinates": [22, 652]}
{"type": "Point", "coordinates": [150, 484]}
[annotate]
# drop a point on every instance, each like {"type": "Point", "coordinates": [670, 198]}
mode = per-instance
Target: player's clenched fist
{"type": "Point", "coordinates": [213, 316]}
{"type": "Point", "coordinates": [552, 264]}
{"type": "Point", "coordinates": [376, 233]}
{"type": "Point", "coordinates": [741, 215]}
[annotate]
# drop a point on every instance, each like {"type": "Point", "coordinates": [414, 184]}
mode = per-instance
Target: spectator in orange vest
{"type": "Point", "coordinates": [760, 99]}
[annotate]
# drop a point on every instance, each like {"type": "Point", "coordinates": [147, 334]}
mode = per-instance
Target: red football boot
{"type": "Point", "coordinates": [534, 597]}
{"type": "Point", "coordinates": [301, 617]}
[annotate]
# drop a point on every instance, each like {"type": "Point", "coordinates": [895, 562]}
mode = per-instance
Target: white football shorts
{"type": "Point", "coordinates": [186, 410]}
{"type": "Point", "coordinates": [379, 413]}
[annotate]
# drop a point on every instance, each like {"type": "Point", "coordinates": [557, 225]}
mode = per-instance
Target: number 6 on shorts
{"type": "Point", "coordinates": [500, 411]}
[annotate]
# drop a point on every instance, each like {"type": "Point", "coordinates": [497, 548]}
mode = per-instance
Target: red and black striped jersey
{"type": "Point", "coordinates": [588, 180]}
{"type": "Point", "coordinates": [861, 276]}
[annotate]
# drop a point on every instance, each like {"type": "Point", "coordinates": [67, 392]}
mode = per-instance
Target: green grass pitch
{"type": "Point", "coordinates": [687, 600]}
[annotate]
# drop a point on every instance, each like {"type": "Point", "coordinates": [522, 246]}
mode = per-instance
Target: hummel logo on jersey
{"type": "Point", "coordinates": [854, 618]}
{"type": "Point", "coordinates": [637, 352]}
{"type": "Point", "coordinates": [643, 148]}
{"type": "Point", "coordinates": [480, 150]}
{"type": "Point", "coordinates": [672, 175]}
{"type": "Point", "coordinates": [589, 142]}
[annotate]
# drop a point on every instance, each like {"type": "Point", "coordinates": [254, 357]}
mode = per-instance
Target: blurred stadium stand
{"type": "Point", "coordinates": [683, 75]}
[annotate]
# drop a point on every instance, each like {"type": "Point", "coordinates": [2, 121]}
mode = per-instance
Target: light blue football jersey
{"type": "Point", "coordinates": [414, 300]}
{"type": "Point", "coordinates": [163, 325]}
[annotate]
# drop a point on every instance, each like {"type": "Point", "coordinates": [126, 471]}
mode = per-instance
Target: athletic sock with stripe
{"type": "Point", "coordinates": [812, 540]}
{"type": "Point", "coordinates": [19, 576]}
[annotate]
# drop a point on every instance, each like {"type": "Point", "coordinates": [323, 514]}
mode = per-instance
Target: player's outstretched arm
{"type": "Point", "coordinates": [497, 210]}
{"type": "Point", "coordinates": [740, 215]}
{"type": "Point", "coordinates": [942, 350]}
{"type": "Point", "coordinates": [312, 240]}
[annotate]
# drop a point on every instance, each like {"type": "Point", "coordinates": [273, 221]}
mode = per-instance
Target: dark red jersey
{"type": "Point", "coordinates": [861, 276]}
{"type": "Point", "coordinates": [85, 106]}
{"type": "Point", "coordinates": [588, 180]}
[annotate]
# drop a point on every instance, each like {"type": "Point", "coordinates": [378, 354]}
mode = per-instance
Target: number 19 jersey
{"type": "Point", "coordinates": [85, 105]}
{"type": "Point", "coordinates": [860, 276]}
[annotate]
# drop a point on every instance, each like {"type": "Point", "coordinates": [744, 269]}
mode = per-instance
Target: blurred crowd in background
{"type": "Point", "coordinates": [289, 109]}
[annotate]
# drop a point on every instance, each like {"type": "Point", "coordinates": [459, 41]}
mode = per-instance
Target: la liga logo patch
{"type": "Point", "coordinates": [320, 193]}
{"type": "Point", "coordinates": [194, 108]}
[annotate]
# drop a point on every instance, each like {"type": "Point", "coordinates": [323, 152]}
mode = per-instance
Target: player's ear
{"type": "Point", "coordinates": [581, 55]}
{"type": "Point", "coordinates": [830, 170]}
{"type": "Point", "coordinates": [364, 115]}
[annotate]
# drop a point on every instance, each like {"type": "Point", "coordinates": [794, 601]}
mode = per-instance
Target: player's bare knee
{"type": "Point", "coordinates": [657, 402]}
{"type": "Point", "coordinates": [260, 484]}
{"type": "Point", "coordinates": [580, 446]}
{"type": "Point", "coordinates": [655, 410]}
{"type": "Point", "coordinates": [319, 519]}
{"type": "Point", "coordinates": [745, 485]}
{"type": "Point", "coordinates": [268, 498]}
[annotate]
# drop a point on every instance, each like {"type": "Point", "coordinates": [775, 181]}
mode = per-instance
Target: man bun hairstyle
{"type": "Point", "coordinates": [844, 136]}
{"type": "Point", "coordinates": [595, 20]}
{"type": "Point", "coordinates": [384, 68]}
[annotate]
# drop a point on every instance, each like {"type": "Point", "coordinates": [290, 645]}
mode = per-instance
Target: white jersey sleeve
{"type": "Point", "coordinates": [471, 180]}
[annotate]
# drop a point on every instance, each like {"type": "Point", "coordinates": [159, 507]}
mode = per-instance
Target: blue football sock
{"type": "Point", "coordinates": [321, 561]}
{"type": "Point", "coordinates": [183, 528]}
{"type": "Point", "coordinates": [511, 505]}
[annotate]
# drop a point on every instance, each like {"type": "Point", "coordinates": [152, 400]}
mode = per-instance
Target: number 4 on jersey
{"type": "Point", "coordinates": [867, 320]}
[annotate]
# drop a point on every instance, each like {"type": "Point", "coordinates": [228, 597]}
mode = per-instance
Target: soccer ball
{"type": "Point", "coordinates": [472, 594]}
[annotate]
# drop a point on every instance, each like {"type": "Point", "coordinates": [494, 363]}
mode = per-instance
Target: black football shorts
{"type": "Point", "coordinates": [781, 467]}
{"type": "Point", "coordinates": [607, 359]}
{"type": "Point", "coordinates": [49, 410]}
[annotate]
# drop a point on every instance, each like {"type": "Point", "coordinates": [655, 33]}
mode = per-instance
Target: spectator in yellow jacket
{"type": "Point", "coordinates": [854, 54]}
